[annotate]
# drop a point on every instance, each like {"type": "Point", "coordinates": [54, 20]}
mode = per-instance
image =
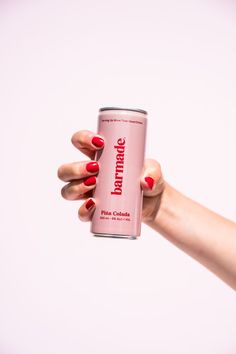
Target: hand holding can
{"type": "Point", "coordinates": [84, 176]}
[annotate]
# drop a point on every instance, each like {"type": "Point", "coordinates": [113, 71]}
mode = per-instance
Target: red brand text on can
{"type": "Point", "coordinates": [119, 168]}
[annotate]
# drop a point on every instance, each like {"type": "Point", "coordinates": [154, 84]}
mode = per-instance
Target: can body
{"type": "Point", "coordinates": [118, 193]}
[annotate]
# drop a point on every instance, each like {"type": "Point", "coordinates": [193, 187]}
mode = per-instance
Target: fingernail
{"type": "Point", "coordinates": [149, 181]}
{"type": "Point", "coordinates": [90, 181]}
{"type": "Point", "coordinates": [97, 141]}
{"type": "Point", "coordinates": [89, 204]}
{"type": "Point", "coordinates": [92, 167]}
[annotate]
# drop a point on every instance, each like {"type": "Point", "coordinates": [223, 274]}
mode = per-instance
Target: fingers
{"type": "Point", "coordinates": [87, 209]}
{"type": "Point", "coordinates": [87, 142]}
{"type": "Point", "coordinates": [79, 188]}
{"type": "Point", "coordinates": [81, 178]}
{"type": "Point", "coordinates": [77, 170]}
{"type": "Point", "coordinates": [152, 180]}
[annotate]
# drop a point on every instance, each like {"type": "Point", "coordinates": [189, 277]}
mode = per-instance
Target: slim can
{"type": "Point", "coordinates": [118, 192]}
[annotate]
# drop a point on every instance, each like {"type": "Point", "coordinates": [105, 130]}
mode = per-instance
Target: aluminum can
{"type": "Point", "coordinates": [118, 192]}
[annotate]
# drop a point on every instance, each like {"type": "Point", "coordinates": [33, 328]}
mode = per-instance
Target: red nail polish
{"type": "Point", "coordinates": [92, 167]}
{"type": "Point", "coordinates": [149, 181]}
{"type": "Point", "coordinates": [90, 181]}
{"type": "Point", "coordinates": [89, 204]}
{"type": "Point", "coordinates": [97, 141]}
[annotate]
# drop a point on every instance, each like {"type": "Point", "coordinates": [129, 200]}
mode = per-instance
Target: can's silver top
{"type": "Point", "coordinates": [122, 109]}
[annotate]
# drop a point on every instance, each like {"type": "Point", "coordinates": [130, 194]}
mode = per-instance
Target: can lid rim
{"type": "Point", "coordinates": [122, 109]}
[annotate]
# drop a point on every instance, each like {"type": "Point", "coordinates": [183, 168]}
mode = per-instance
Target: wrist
{"type": "Point", "coordinates": [164, 213]}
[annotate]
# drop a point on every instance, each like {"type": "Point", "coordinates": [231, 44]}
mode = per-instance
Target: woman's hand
{"type": "Point", "coordinates": [81, 178]}
{"type": "Point", "coordinates": [204, 235]}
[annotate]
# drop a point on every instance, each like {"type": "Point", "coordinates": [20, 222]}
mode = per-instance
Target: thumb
{"type": "Point", "coordinates": [152, 181]}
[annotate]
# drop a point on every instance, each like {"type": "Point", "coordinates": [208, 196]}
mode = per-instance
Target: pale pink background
{"type": "Point", "coordinates": [62, 290]}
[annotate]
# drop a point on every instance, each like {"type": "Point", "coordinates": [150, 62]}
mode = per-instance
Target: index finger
{"type": "Point", "coordinates": [87, 142]}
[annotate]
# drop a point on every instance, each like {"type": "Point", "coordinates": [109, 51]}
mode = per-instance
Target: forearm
{"type": "Point", "coordinates": [203, 234]}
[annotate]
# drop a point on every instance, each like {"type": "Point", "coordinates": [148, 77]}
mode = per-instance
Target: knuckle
{"type": "Point", "coordinates": [81, 215]}
{"type": "Point", "coordinates": [74, 135]}
{"type": "Point", "coordinates": [156, 170]}
{"type": "Point", "coordinates": [158, 176]}
{"type": "Point", "coordinates": [70, 192]}
{"type": "Point", "coordinates": [157, 165]}
{"type": "Point", "coordinates": [79, 138]}
{"type": "Point", "coordinates": [161, 184]}
{"type": "Point", "coordinates": [63, 192]}
{"type": "Point", "coordinates": [74, 190]}
{"type": "Point", "coordinates": [153, 165]}
{"type": "Point", "coordinates": [75, 138]}
{"type": "Point", "coordinates": [60, 172]}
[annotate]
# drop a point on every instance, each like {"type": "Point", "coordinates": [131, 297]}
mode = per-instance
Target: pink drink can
{"type": "Point", "coordinates": [118, 192]}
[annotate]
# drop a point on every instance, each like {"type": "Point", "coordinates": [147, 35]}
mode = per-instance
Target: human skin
{"type": "Point", "coordinates": [201, 233]}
